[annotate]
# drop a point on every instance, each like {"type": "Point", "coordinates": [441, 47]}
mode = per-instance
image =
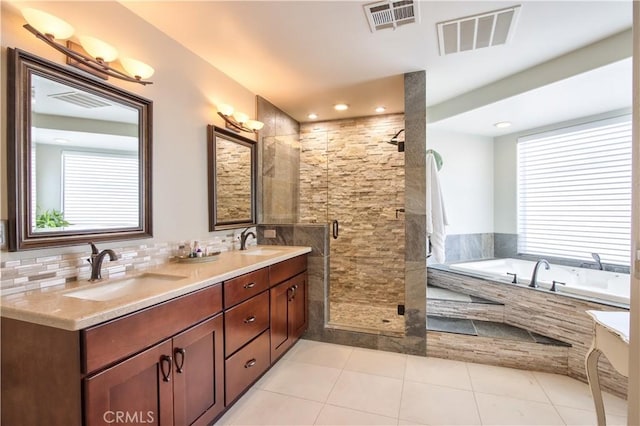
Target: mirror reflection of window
{"type": "Point", "coordinates": [85, 162]}
{"type": "Point", "coordinates": [233, 181]}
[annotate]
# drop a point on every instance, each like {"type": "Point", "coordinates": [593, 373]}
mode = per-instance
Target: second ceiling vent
{"type": "Point", "coordinates": [391, 14]}
{"type": "Point", "coordinates": [478, 31]}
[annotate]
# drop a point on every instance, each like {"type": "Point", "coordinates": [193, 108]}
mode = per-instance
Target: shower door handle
{"type": "Point", "coordinates": [336, 229]}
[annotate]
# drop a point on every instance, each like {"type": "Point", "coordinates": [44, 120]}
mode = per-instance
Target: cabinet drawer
{"type": "Point", "coordinates": [245, 366]}
{"type": "Point", "coordinates": [245, 321]}
{"type": "Point", "coordinates": [106, 343]}
{"type": "Point", "coordinates": [287, 269]}
{"type": "Point", "coordinates": [245, 286]}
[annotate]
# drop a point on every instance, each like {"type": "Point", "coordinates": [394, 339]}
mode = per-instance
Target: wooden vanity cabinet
{"type": "Point", "coordinates": [177, 381]}
{"type": "Point", "coordinates": [289, 317]}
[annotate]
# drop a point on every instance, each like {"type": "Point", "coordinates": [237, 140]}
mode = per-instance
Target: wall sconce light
{"type": "Point", "coordinates": [238, 121]}
{"type": "Point", "coordinates": [91, 55]}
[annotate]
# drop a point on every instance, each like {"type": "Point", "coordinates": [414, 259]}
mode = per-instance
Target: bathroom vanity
{"type": "Point", "coordinates": [179, 346]}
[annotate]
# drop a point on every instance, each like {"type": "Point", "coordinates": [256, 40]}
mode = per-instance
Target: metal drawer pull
{"type": "Point", "coordinates": [250, 363]}
{"type": "Point", "coordinates": [250, 319]}
{"type": "Point", "coordinates": [182, 352]}
{"type": "Point", "coordinates": [166, 360]}
{"type": "Point", "coordinates": [250, 285]}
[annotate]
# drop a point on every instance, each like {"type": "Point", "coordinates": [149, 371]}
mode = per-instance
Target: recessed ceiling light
{"type": "Point", "coordinates": [341, 107]}
{"type": "Point", "coordinates": [312, 116]}
{"type": "Point", "coordinates": [503, 124]}
{"type": "Point", "coordinates": [380, 109]}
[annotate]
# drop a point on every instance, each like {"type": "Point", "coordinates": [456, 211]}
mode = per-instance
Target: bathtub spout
{"type": "Point", "coordinates": [534, 283]}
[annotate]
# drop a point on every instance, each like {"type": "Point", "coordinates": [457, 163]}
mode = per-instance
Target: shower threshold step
{"type": "Point", "coordinates": [498, 330]}
{"type": "Point", "coordinates": [439, 293]}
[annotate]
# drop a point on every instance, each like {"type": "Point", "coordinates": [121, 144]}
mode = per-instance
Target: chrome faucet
{"type": "Point", "coordinates": [243, 238]}
{"type": "Point", "coordinates": [534, 277]}
{"type": "Point", "coordinates": [96, 260]}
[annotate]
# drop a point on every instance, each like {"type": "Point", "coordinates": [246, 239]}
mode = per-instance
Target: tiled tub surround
{"type": "Point", "coordinates": [348, 173]}
{"type": "Point", "coordinates": [540, 311]}
{"type": "Point", "coordinates": [30, 273]}
{"type": "Point", "coordinates": [52, 306]}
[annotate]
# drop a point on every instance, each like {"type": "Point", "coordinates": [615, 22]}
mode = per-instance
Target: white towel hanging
{"type": "Point", "coordinates": [436, 215]}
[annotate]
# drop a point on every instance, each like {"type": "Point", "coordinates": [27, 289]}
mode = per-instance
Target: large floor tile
{"type": "Point", "coordinates": [502, 410]}
{"type": "Point", "coordinates": [438, 371]}
{"type": "Point", "coordinates": [332, 415]}
{"type": "Point", "coordinates": [301, 380]}
{"type": "Point", "coordinates": [578, 417]}
{"type": "Point", "coordinates": [324, 354]}
{"type": "Point", "coordinates": [367, 392]}
{"type": "Point", "coordinates": [381, 363]}
{"type": "Point", "coordinates": [506, 381]}
{"type": "Point", "coordinates": [267, 408]}
{"type": "Point", "coordinates": [437, 405]}
{"type": "Point", "coordinates": [568, 392]}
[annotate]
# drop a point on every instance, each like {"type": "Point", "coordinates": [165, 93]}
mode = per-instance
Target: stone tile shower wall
{"type": "Point", "coordinates": [279, 164]}
{"type": "Point", "coordinates": [349, 173]}
{"type": "Point", "coordinates": [233, 180]}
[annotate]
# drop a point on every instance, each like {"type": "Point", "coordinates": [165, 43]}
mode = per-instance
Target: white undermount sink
{"type": "Point", "coordinates": [114, 289]}
{"type": "Point", "coordinates": [260, 252]}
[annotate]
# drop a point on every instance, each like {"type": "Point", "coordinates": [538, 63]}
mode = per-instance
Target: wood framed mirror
{"type": "Point", "coordinates": [78, 157]}
{"type": "Point", "coordinates": [232, 179]}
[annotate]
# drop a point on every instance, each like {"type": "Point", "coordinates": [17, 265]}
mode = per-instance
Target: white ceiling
{"type": "Point", "coordinates": [305, 56]}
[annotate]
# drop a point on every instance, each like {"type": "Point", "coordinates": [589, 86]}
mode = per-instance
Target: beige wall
{"type": "Point", "coordinates": [185, 92]}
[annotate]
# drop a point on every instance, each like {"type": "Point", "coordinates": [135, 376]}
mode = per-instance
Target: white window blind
{"type": "Point", "coordinates": [574, 192]}
{"type": "Point", "coordinates": [100, 190]}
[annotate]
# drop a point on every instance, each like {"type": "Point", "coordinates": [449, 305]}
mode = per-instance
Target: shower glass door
{"type": "Point", "coordinates": [354, 180]}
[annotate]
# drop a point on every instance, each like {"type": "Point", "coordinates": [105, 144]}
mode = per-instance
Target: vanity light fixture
{"type": "Point", "coordinates": [380, 109]}
{"type": "Point", "coordinates": [91, 55]}
{"type": "Point", "coordinates": [312, 116]}
{"type": "Point", "coordinates": [238, 121]}
{"type": "Point", "coordinates": [341, 107]}
{"type": "Point", "coordinates": [503, 124]}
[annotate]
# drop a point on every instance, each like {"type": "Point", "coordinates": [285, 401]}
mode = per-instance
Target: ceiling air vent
{"type": "Point", "coordinates": [478, 31]}
{"type": "Point", "coordinates": [80, 99]}
{"type": "Point", "coordinates": [391, 14]}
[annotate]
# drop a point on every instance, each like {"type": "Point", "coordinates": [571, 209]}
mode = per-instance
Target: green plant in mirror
{"type": "Point", "coordinates": [50, 219]}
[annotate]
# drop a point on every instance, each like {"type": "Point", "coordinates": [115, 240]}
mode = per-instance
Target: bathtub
{"type": "Point", "coordinates": [591, 284]}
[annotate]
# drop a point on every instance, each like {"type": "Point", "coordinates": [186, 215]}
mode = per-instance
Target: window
{"type": "Point", "coordinates": [100, 190]}
{"type": "Point", "coordinates": [574, 192]}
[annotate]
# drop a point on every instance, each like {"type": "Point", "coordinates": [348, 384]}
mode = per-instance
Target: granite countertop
{"type": "Point", "coordinates": [52, 306]}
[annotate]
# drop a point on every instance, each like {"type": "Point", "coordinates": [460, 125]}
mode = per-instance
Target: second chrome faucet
{"type": "Point", "coordinates": [96, 260]}
{"type": "Point", "coordinates": [534, 276]}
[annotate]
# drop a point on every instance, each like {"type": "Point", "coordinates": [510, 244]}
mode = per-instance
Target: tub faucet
{"type": "Point", "coordinates": [534, 277]}
{"type": "Point", "coordinates": [243, 238]}
{"type": "Point", "coordinates": [96, 260]}
{"type": "Point", "coordinates": [596, 257]}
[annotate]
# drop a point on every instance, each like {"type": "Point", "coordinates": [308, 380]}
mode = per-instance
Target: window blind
{"type": "Point", "coordinates": [574, 192]}
{"type": "Point", "coordinates": [100, 190]}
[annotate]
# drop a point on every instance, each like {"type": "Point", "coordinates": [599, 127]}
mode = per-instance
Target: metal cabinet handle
{"type": "Point", "coordinates": [250, 285]}
{"type": "Point", "coordinates": [166, 361]}
{"type": "Point", "coordinates": [250, 363]}
{"type": "Point", "coordinates": [250, 319]}
{"type": "Point", "coordinates": [182, 352]}
{"type": "Point", "coordinates": [336, 229]}
{"type": "Point", "coordinates": [293, 290]}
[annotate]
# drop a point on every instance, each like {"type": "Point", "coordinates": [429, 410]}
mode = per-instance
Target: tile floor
{"type": "Point", "coordinates": [325, 384]}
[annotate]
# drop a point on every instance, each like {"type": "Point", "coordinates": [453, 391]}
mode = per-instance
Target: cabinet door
{"type": "Point", "coordinates": [137, 390]}
{"type": "Point", "coordinates": [298, 306]}
{"type": "Point", "coordinates": [198, 357]}
{"type": "Point", "coordinates": [280, 319]}
{"type": "Point", "coordinates": [288, 314]}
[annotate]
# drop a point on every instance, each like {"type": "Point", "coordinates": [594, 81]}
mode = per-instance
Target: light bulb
{"type": "Point", "coordinates": [47, 24]}
{"type": "Point", "coordinates": [98, 48]}
{"type": "Point", "coordinates": [254, 124]}
{"type": "Point", "coordinates": [312, 116]}
{"type": "Point", "coordinates": [225, 109]}
{"type": "Point", "coordinates": [341, 107]}
{"type": "Point", "coordinates": [136, 68]}
{"type": "Point", "coordinates": [240, 117]}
